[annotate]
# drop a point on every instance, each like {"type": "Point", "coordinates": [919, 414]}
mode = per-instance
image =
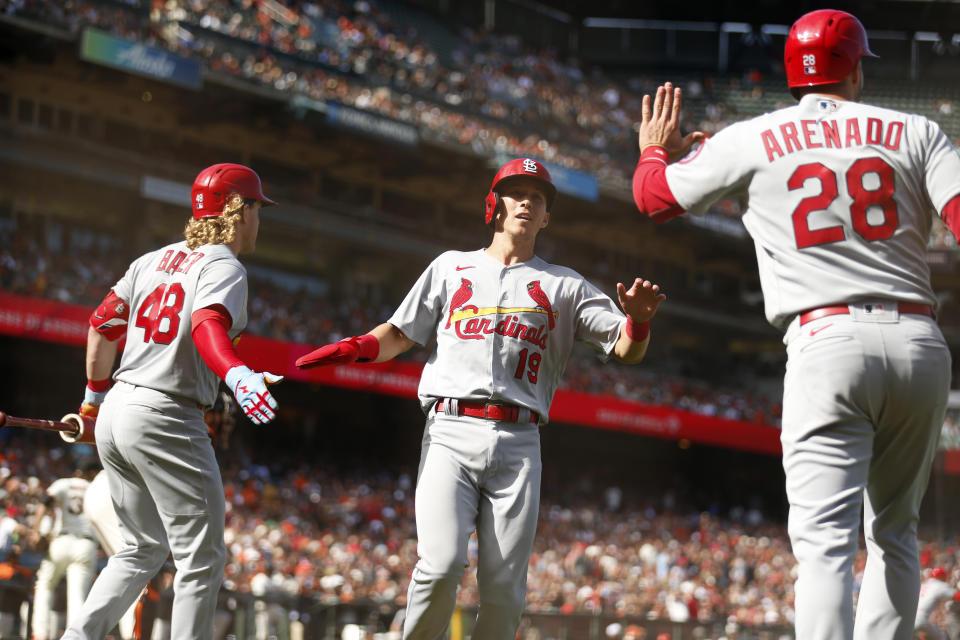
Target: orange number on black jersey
{"type": "Point", "coordinates": [165, 303]}
{"type": "Point", "coordinates": [863, 199]}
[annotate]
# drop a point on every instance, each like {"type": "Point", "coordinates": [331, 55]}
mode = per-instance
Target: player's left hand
{"type": "Point", "coordinates": [660, 125]}
{"type": "Point", "coordinates": [250, 389]}
{"type": "Point", "coordinates": [89, 410]}
{"type": "Point", "coordinates": [641, 301]}
{"type": "Point", "coordinates": [363, 348]}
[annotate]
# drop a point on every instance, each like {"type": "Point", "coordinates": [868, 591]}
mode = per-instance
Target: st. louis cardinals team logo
{"type": "Point", "coordinates": [460, 298]}
{"type": "Point", "coordinates": [471, 322]}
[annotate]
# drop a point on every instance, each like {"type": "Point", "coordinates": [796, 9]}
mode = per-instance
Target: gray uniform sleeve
{"type": "Point", "coordinates": [598, 319]}
{"type": "Point", "coordinates": [419, 313]}
{"type": "Point", "coordinates": [709, 173]}
{"type": "Point", "coordinates": [942, 168]}
{"type": "Point", "coordinates": [223, 282]}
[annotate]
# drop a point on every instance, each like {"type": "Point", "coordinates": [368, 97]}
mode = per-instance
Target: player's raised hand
{"type": "Point", "coordinates": [660, 123]}
{"type": "Point", "coordinates": [250, 389]}
{"type": "Point", "coordinates": [357, 349]}
{"type": "Point", "coordinates": [641, 300]}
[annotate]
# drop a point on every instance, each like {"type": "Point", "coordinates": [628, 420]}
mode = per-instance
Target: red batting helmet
{"type": "Point", "coordinates": [217, 183]}
{"type": "Point", "coordinates": [515, 169]}
{"type": "Point", "coordinates": [939, 573]}
{"type": "Point", "coordinates": [823, 47]}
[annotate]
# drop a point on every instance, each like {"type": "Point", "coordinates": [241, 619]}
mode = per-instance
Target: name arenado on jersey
{"type": "Point", "coordinates": [814, 134]}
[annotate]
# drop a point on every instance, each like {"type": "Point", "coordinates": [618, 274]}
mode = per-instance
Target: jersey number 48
{"type": "Point", "coordinates": [164, 304]}
{"type": "Point", "coordinates": [863, 199]}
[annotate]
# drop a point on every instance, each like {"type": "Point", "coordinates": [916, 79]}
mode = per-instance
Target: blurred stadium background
{"type": "Point", "coordinates": [377, 125]}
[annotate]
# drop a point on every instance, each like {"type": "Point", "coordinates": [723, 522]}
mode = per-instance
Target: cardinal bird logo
{"type": "Point", "coordinates": [460, 298]}
{"type": "Point", "coordinates": [535, 292]}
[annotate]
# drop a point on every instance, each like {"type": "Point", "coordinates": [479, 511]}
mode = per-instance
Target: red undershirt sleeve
{"type": "Point", "coordinates": [209, 332]}
{"type": "Point", "coordinates": [651, 192]}
{"type": "Point", "coordinates": [951, 216]}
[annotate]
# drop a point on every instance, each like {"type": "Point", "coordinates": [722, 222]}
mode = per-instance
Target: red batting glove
{"type": "Point", "coordinates": [358, 349]}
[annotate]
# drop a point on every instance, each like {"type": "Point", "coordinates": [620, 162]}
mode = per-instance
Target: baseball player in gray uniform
{"type": "Point", "coordinates": [840, 198]}
{"type": "Point", "coordinates": [505, 322]}
{"type": "Point", "coordinates": [72, 552]}
{"type": "Point", "coordinates": [180, 307]}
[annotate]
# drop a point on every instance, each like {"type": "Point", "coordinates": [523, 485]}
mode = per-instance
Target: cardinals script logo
{"type": "Point", "coordinates": [471, 322]}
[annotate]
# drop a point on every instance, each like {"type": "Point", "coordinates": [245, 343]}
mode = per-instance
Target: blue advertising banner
{"type": "Point", "coordinates": [574, 183]}
{"type": "Point", "coordinates": [372, 124]}
{"type": "Point", "coordinates": [110, 51]}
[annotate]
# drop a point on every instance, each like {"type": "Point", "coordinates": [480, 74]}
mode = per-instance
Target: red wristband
{"type": "Point", "coordinates": [637, 331]}
{"type": "Point", "coordinates": [654, 152]}
{"type": "Point", "coordinates": [99, 385]}
{"type": "Point", "coordinates": [368, 346]}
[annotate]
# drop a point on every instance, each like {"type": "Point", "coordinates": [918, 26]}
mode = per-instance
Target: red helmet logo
{"type": "Point", "coordinates": [516, 168]}
{"type": "Point", "coordinates": [216, 183]}
{"type": "Point", "coordinates": [824, 47]}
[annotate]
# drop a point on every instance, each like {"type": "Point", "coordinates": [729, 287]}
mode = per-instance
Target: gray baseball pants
{"type": "Point", "coordinates": [864, 401]}
{"type": "Point", "coordinates": [168, 495]}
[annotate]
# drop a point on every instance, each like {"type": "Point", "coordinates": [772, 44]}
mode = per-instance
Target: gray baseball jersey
{"type": "Point", "coordinates": [839, 199]}
{"type": "Point", "coordinates": [504, 333]}
{"type": "Point", "coordinates": [163, 289]}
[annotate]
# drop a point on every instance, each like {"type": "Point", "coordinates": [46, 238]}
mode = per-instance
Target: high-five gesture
{"type": "Point", "coordinates": [641, 301]}
{"type": "Point", "coordinates": [660, 125]}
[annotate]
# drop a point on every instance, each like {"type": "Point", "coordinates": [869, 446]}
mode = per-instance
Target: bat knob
{"type": "Point", "coordinates": [84, 432]}
{"type": "Point", "coordinates": [3, 418]}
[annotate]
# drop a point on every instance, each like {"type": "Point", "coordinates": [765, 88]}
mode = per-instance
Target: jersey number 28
{"type": "Point", "coordinates": [863, 199]}
{"type": "Point", "coordinates": [165, 303]}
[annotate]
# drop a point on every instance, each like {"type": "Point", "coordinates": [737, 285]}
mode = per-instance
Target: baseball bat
{"type": "Point", "coordinates": [72, 427]}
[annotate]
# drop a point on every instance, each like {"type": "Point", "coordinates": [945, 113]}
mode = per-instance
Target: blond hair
{"type": "Point", "coordinates": [221, 229]}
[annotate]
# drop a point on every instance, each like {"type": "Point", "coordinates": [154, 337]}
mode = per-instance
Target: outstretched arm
{"type": "Point", "coordinates": [639, 303]}
{"type": "Point", "coordinates": [393, 342]}
{"type": "Point", "coordinates": [209, 330]}
{"type": "Point", "coordinates": [383, 343]}
{"type": "Point", "coordinates": [660, 142]}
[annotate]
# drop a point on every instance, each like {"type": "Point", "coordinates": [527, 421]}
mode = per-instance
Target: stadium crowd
{"type": "Point", "coordinates": [491, 92]}
{"type": "Point", "coordinates": [296, 528]}
{"type": "Point", "coordinates": [42, 257]}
